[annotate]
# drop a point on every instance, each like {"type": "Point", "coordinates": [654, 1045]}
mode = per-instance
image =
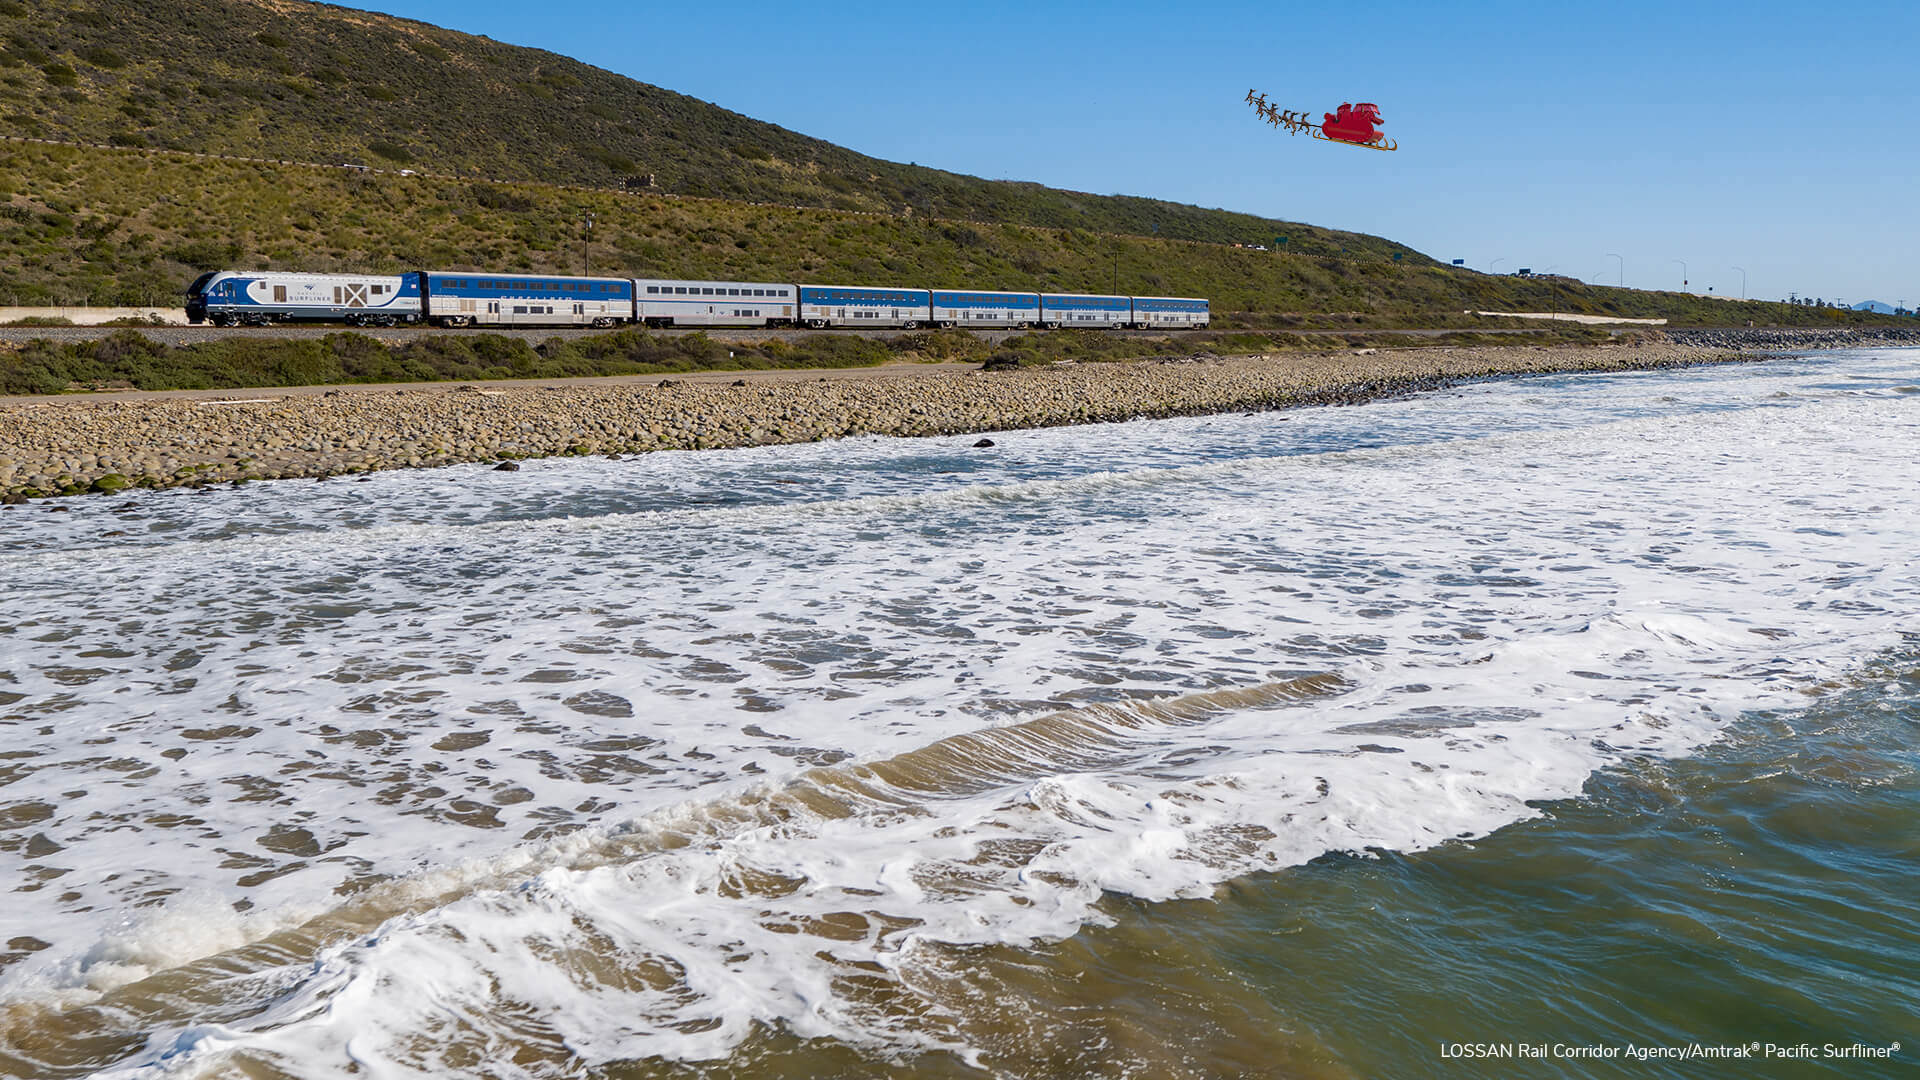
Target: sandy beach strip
{"type": "Point", "coordinates": [79, 443]}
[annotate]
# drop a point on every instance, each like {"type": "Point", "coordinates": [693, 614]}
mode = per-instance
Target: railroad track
{"type": "Point", "coordinates": [178, 334]}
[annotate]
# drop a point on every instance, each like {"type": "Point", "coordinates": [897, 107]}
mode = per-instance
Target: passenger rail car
{"type": "Point", "coordinates": [1170, 313]}
{"type": "Point", "coordinates": [1084, 310]}
{"type": "Point", "coordinates": [985, 309]}
{"type": "Point", "coordinates": [242, 298]}
{"type": "Point", "coordinates": [864, 306]}
{"type": "Point", "coordinates": [526, 300]}
{"type": "Point", "coordinates": [714, 303]}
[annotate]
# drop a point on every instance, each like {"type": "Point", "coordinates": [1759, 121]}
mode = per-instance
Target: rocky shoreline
{"type": "Point", "coordinates": [73, 446]}
{"type": "Point", "coordinates": [1785, 338]}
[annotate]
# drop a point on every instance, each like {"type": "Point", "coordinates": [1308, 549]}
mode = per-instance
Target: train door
{"type": "Point", "coordinates": [356, 295]}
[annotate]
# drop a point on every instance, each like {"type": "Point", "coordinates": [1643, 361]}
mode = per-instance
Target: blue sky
{"type": "Point", "coordinates": [1782, 138]}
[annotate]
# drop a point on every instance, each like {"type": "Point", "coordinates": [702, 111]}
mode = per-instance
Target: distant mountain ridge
{"type": "Point", "coordinates": [1874, 306]}
{"type": "Point", "coordinates": [315, 82]}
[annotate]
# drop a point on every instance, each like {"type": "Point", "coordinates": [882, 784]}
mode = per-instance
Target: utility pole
{"type": "Point", "coordinates": [586, 238]}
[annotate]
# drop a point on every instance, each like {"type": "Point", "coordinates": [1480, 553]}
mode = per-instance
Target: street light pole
{"type": "Point", "coordinates": [1743, 283]}
{"type": "Point", "coordinates": [1623, 267]}
{"type": "Point", "coordinates": [1495, 263]}
{"type": "Point", "coordinates": [1683, 273]}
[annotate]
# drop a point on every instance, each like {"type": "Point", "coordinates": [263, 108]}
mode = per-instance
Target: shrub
{"type": "Point", "coordinates": [100, 56]}
{"type": "Point", "coordinates": [206, 254]}
{"type": "Point", "coordinates": [494, 198]}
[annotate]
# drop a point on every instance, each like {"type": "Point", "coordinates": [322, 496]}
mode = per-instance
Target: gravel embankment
{"type": "Point", "coordinates": [70, 445]}
{"type": "Point", "coordinates": [1788, 339]}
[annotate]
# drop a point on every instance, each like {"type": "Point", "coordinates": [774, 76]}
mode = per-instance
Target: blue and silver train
{"type": "Point", "coordinates": [247, 298]}
{"type": "Point", "coordinates": [244, 298]}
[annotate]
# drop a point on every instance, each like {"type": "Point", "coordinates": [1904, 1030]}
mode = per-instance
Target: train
{"type": "Point", "coordinates": [461, 299]}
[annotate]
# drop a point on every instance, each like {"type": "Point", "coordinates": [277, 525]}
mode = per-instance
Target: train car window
{"type": "Point", "coordinates": [651, 289]}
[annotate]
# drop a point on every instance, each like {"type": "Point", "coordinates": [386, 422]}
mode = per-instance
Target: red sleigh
{"type": "Point", "coordinates": [1355, 125]}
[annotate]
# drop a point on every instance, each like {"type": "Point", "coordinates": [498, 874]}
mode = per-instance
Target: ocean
{"type": "Point", "coordinates": [1560, 726]}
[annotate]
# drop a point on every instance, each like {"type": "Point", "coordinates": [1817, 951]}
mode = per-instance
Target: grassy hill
{"type": "Point", "coordinates": [114, 226]}
{"type": "Point", "coordinates": [313, 82]}
{"type": "Point", "coordinates": [164, 90]}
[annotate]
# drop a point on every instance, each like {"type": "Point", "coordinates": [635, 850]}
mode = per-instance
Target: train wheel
{"type": "Point", "coordinates": [909, 325]}
{"type": "Point", "coordinates": [816, 324]}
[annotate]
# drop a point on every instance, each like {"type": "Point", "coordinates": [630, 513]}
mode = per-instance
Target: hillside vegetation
{"type": "Point", "coordinates": [318, 83]}
{"type": "Point", "coordinates": [159, 93]}
{"type": "Point", "coordinates": [103, 226]}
